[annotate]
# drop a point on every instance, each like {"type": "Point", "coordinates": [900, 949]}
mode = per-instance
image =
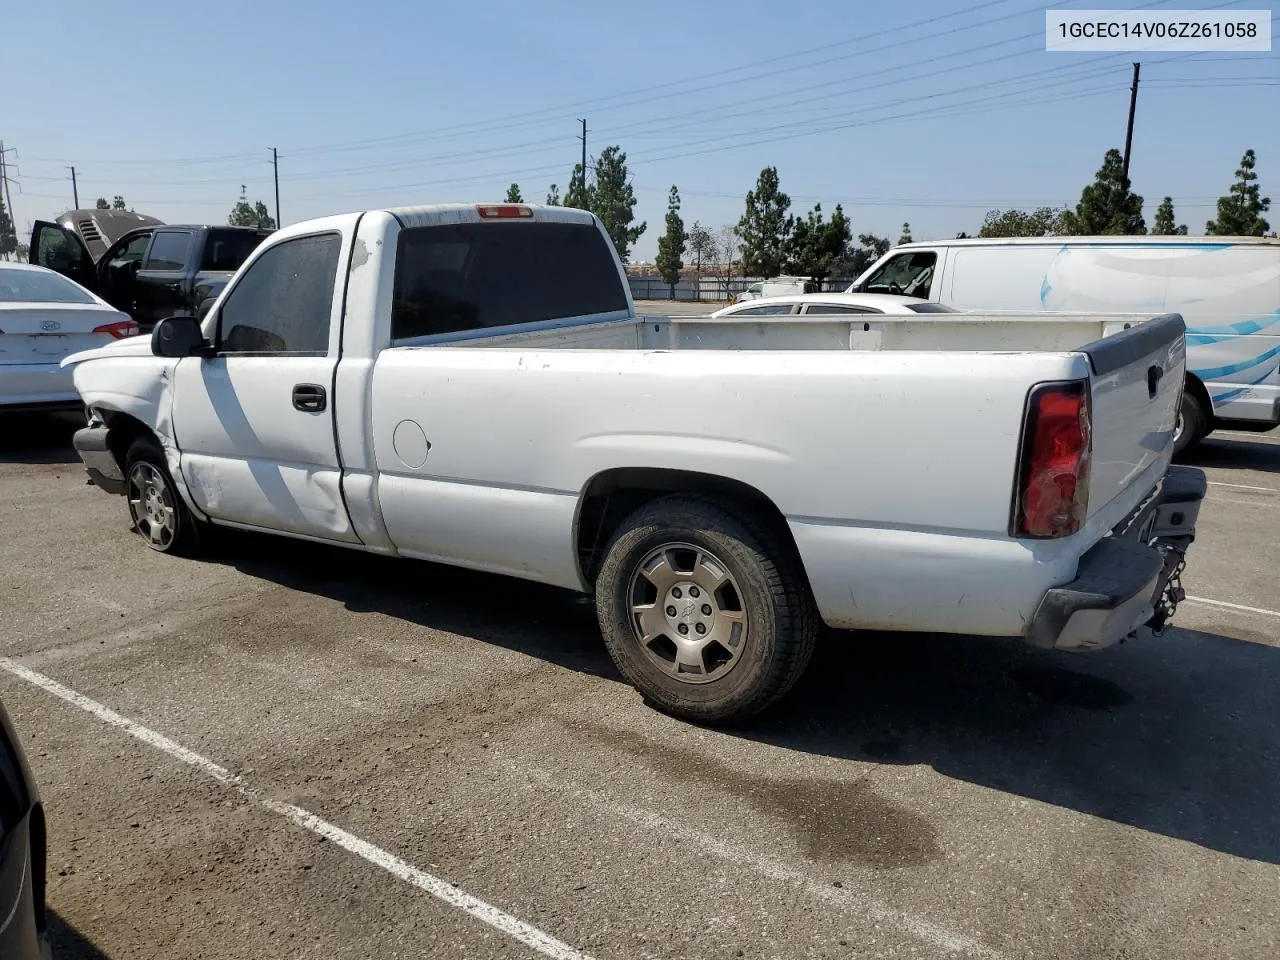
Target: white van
{"type": "Point", "coordinates": [777, 287]}
{"type": "Point", "coordinates": [1226, 288]}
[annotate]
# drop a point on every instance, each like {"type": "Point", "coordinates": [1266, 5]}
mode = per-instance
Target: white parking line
{"type": "Point", "coordinates": [945, 939]}
{"type": "Point", "coordinates": [513, 927]}
{"type": "Point", "coordinates": [1246, 503]}
{"type": "Point", "coordinates": [1234, 606]}
{"type": "Point", "coordinates": [1241, 486]}
{"type": "Point", "coordinates": [1255, 437]}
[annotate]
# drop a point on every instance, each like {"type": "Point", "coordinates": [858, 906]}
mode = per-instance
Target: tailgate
{"type": "Point", "coordinates": [1136, 385]}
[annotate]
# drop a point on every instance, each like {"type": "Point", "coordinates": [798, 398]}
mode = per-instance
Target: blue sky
{"type": "Point", "coordinates": [930, 116]}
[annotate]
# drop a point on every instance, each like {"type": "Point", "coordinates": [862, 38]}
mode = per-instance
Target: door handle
{"type": "Point", "coordinates": [309, 397]}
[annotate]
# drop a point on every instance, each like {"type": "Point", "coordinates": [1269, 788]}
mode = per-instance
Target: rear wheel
{"type": "Point", "coordinates": [1193, 423]}
{"type": "Point", "coordinates": [159, 515]}
{"type": "Point", "coordinates": [707, 614]}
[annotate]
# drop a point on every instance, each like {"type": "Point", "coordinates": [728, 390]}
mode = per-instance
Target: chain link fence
{"type": "Point", "coordinates": [710, 289]}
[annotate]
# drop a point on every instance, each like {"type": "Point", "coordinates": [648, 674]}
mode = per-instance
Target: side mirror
{"type": "Point", "coordinates": [178, 337]}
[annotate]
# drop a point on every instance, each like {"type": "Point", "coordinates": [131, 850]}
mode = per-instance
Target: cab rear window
{"type": "Point", "coordinates": [470, 276]}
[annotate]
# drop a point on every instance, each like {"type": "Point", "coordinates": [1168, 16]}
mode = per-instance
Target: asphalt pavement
{"type": "Point", "coordinates": [285, 750]}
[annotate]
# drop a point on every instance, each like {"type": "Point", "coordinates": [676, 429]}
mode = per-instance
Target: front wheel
{"type": "Point", "coordinates": [159, 515]}
{"type": "Point", "coordinates": [707, 614]}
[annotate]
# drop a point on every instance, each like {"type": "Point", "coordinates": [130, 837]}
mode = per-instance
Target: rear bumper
{"type": "Point", "coordinates": [99, 462]}
{"type": "Point", "coordinates": [1123, 582]}
{"type": "Point", "coordinates": [37, 386]}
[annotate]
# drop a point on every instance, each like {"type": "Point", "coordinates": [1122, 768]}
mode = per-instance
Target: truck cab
{"type": "Point", "coordinates": [141, 265]}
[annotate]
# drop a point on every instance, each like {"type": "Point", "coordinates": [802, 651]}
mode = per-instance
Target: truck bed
{"type": "Point", "coordinates": [999, 332]}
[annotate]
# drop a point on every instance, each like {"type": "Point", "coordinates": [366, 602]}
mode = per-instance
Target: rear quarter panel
{"type": "Point", "coordinates": [482, 455]}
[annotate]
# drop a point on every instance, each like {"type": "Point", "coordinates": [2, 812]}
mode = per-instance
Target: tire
{"type": "Point", "coordinates": [158, 512]}
{"type": "Point", "coordinates": [1193, 424]}
{"type": "Point", "coordinates": [701, 555]}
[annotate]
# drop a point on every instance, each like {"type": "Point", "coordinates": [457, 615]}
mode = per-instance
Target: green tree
{"type": "Point", "coordinates": [765, 227]}
{"type": "Point", "coordinates": [613, 200]}
{"type": "Point", "coordinates": [1041, 222]}
{"type": "Point", "coordinates": [8, 236]}
{"type": "Point", "coordinates": [1240, 211]}
{"type": "Point", "coordinates": [855, 261]}
{"type": "Point", "coordinates": [244, 214]}
{"type": "Point", "coordinates": [1107, 206]}
{"type": "Point", "coordinates": [672, 243]}
{"type": "Point", "coordinates": [816, 244]}
{"type": "Point", "coordinates": [701, 244]}
{"type": "Point", "coordinates": [906, 234]}
{"type": "Point", "coordinates": [579, 193]}
{"type": "Point", "coordinates": [1165, 224]}
{"type": "Point", "coordinates": [513, 194]}
{"type": "Point", "coordinates": [117, 202]}
{"type": "Point", "coordinates": [553, 196]}
{"type": "Point", "coordinates": [102, 204]}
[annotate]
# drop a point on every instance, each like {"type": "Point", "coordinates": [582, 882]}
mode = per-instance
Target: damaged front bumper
{"type": "Point", "coordinates": [1128, 580]}
{"type": "Point", "coordinates": [91, 444]}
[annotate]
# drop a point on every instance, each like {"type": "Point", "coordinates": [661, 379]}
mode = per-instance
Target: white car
{"type": "Point", "coordinates": [45, 317]}
{"type": "Point", "coordinates": [420, 382]}
{"type": "Point", "coordinates": [776, 287]}
{"type": "Point", "coordinates": [832, 304]}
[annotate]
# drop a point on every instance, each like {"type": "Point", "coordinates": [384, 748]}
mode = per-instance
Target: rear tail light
{"type": "Point", "coordinates": [1052, 496]}
{"type": "Point", "coordinates": [504, 211]}
{"type": "Point", "coordinates": [120, 329]}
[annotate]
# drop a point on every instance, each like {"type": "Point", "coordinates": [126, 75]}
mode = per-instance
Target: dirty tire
{"type": "Point", "coordinates": [158, 512]}
{"type": "Point", "coordinates": [1193, 424]}
{"type": "Point", "coordinates": [762, 571]}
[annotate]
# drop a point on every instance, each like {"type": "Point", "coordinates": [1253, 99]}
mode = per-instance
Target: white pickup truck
{"type": "Point", "coordinates": [471, 385]}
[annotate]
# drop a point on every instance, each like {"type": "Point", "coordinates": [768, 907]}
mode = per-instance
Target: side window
{"type": "Point", "coordinates": [767, 310]}
{"type": "Point", "coordinates": [168, 251]}
{"type": "Point", "coordinates": [837, 309]}
{"type": "Point", "coordinates": [283, 302]}
{"type": "Point", "coordinates": [58, 250]}
{"type": "Point", "coordinates": [133, 250]}
{"type": "Point", "coordinates": [910, 274]}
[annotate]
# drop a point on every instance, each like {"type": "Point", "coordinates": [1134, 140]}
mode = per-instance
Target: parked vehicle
{"type": "Point", "coordinates": [422, 382]}
{"type": "Point", "coordinates": [44, 318]}
{"type": "Point", "coordinates": [1227, 290]}
{"type": "Point", "coordinates": [23, 855]}
{"type": "Point", "coordinates": [776, 287]}
{"type": "Point", "coordinates": [832, 304]}
{"type": "Point", "coordinates": [151, 270]}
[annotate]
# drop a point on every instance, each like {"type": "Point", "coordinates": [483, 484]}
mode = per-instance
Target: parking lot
{"type": "Point", "coordinates": [284, 750]}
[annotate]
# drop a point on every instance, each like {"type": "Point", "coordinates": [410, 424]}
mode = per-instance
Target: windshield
{"type": "Point", "coordinates": [37, 286]}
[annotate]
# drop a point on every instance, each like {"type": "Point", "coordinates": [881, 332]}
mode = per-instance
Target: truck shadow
{"type": "Point", "coordinates": [1178, 735]}
{"type": "Point", "coordinates": [1235, 453]}
{"type": "Point", "coordinates": [68, 943]}
{"type": "Point", "coordinates": [38, 438]}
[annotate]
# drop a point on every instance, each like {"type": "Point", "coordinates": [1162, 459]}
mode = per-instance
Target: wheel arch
{"type": "Point", "coordinates": [1195, 386]}
{"type": "Point", "coordinates": [612, 495]}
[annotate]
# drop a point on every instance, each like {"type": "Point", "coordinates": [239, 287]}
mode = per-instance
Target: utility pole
{"type": "Point", "coordinates": [275, 166]}
{"type": "Point", "coordinates": [583, 138]}
{"type": "Point", "coordinates": [1133, 104]}
{"type": "Point", "coordinates": [75, 190]}
{"type": "Point", "coordinates": [4, 182]}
